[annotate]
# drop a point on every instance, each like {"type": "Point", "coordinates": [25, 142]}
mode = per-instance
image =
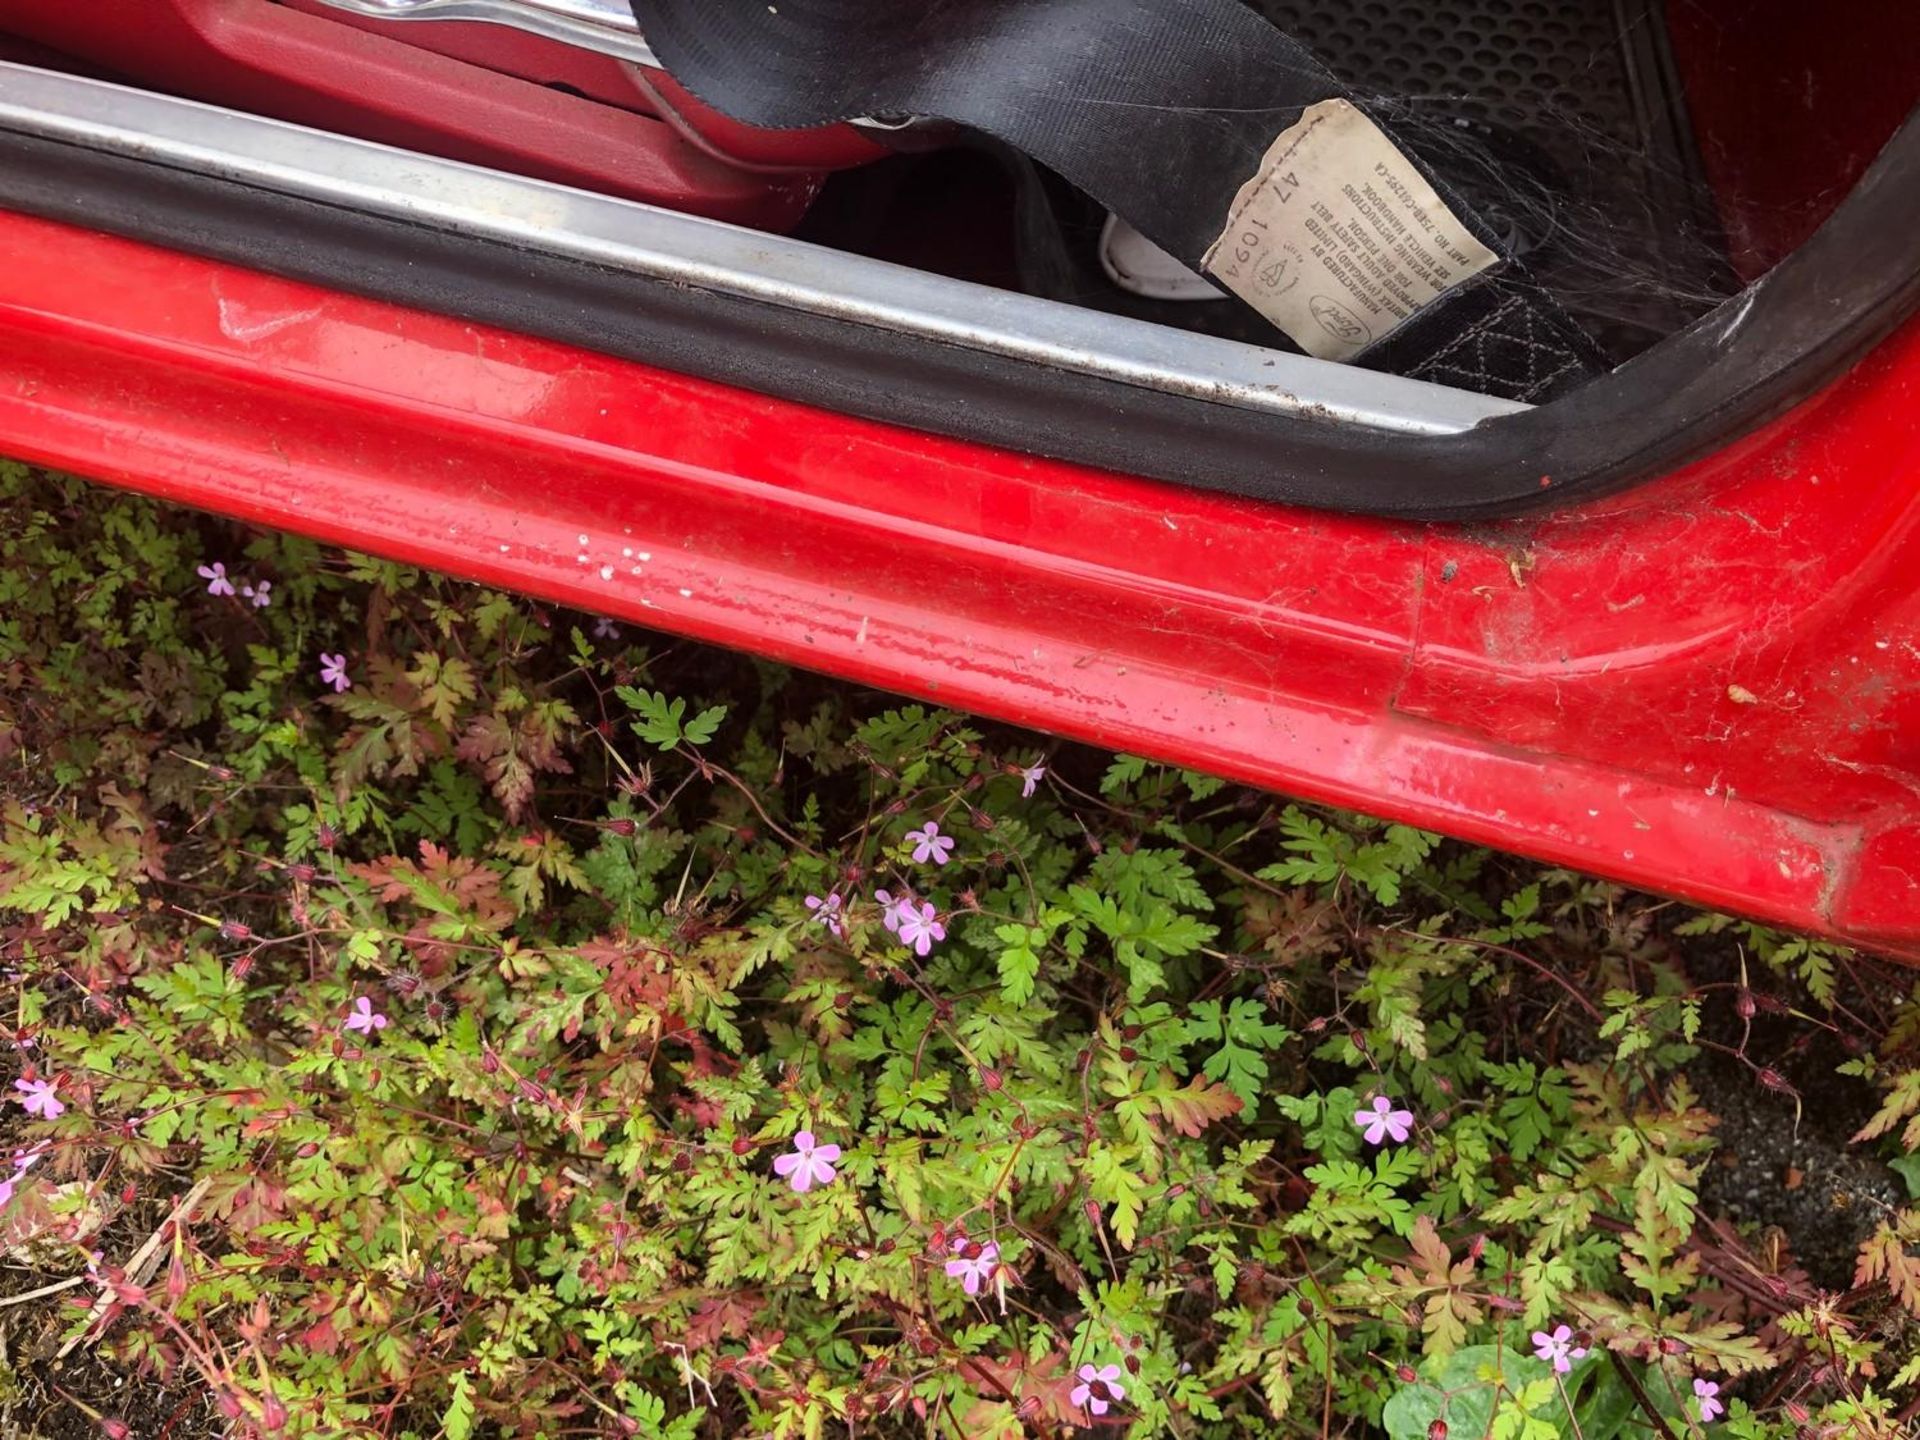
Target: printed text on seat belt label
{"type": "Point", "coordinates": [1337, 238]}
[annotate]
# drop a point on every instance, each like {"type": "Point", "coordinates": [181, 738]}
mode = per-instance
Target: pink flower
{"type": "Point", "coordinates": [258, 594]}
{"type": "Point", "coordinates": [974, 1269]}
{"type": "Point", "coordinates": [807, 1164]}
{"type": "Point", "coordinates": [216, 577]}
{"type": "Point", "coordinates": [1708, 1394]}
{"type": "Point", "coordinates": [365, 1018]}
{"type": "Point", "coordinates": [897, 908]}
{"type": "Point", "coordinates": [1558, 1347]}
{"type": "Point", "coordinates": [333, 671]}
{"type": "Point", "coordinates": [38, 1097]}
{"type": "Point", "coordinates": [1098, 1389]}
{"type": "Point", "coordinates": [605, 629]}
{"type": "Point", "coordinates": [827, 912]}
{"type": "Point", "coordinates": [930, 844]}
{"type": "Point", "coordinates": [1030, 779]}
{"type": "Point", "coordinates": [1379, 1120]}
{"type": "Point", "coordinates": [920, 928]}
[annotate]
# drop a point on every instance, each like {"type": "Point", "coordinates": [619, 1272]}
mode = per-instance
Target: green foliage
{"type": "Point", "coordinates": [574, 876]}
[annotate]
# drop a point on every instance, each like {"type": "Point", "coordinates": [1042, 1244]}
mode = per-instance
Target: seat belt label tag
{"type": "Point", "coordinates": [1337, 238]}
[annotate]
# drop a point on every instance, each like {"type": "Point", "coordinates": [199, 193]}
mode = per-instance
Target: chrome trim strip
{"type": "Point", "coordinates": [688, 251]}
{"type": "Point", "coordinates": [606, 26]}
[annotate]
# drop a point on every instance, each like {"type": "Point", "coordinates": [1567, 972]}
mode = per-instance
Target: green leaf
{"type": "Point", "coordinates": [457, 1422]}
{"type": "Point", "coordinates": [1018, 962]}
{"type": "Point", "coordinates": [663, 722]}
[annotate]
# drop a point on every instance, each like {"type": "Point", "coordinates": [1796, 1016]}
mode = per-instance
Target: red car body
{"type": "Point", "coordinates": [1708, 685]}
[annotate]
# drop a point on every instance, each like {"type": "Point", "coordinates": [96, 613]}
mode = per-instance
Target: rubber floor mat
{"type": "Point", "coordinates": [1592, 175]}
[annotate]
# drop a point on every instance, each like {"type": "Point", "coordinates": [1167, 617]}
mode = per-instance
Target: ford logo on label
{"type": "Point", "coordinates": [1339, 322]}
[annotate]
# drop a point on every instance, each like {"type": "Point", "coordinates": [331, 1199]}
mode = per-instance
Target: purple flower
{"type": "Point", "coordinates": [258, 594]}
{"type": "Point", "coordinates": [975, 1266]}
{"type": "Point", "coordinates": [333, 671]}
{"type": "Point", "coordinates": [807, 1164]}
{"type": "Point", "coordinates": [1708, 1394]}
{"type": "Point", "coordinates": [827, 912]}
{"type": "Point", "coordinates": [1030, 779]}
{"type": "Point", "coordinates": [38, 1097]}
{"type": "Point", "coordinates": [365, 1018]}
{"type": "Point", "coordinates": [1558, 1348]}
{"type": "Point", "coordinates": [1098, 1389]}
{"type": "Point", "coordinates": [605, 629]}
{"type": "Point", "coordinates": [216, 577]}
{"type": "Point", "coordinates": [920, 928]}
{"type": "Point", "coordinates": [1379, 1120]}
{"type": "Point", "coordinates": [930, 844]}
{"type": "Point", "coordinates": [897, 908]}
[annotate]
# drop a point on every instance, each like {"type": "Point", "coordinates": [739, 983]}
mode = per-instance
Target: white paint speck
{"type": "Point", "coordinates": [686, 594]}
{"type": "Point", "coordinates": [860, 636]}
{"type": "Point", "coordinates": [583, 539]}
{"type": "Point", "coordinates": [581, 558]}
{"type": "Point", "coordinates": [606, 572]}
{"type": "Point", "coordinates": [646, 555]}
{"type": "Point", "coordinates": [627, 550]}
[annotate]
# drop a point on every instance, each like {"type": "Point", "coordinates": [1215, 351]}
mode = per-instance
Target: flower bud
{"type": "Point", "coordinates": [234, 930]}
{"type": "Point", "coordinates": [273, 1415]}
{"type": "Point", "coordinates": [990, 1078]}
{"type": "Point", "coordinates": [115, 1429]}
{"type": "Point", "coordinates": [303, 872]}
{"type": "Point", "coordinates": [1437, 1430]}
{"type": "Point", "coordinates": [1743, 1005]}
{"type": "Point", "coordinates": [621, 825]}
{"type": "Point", "coordinates": [1405, 1374]}
{"type": "Point", "coordinates": [742, 1145]}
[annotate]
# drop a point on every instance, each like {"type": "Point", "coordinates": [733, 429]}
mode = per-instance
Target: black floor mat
{"type": "Point", "coordinates": [1580, 111]}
